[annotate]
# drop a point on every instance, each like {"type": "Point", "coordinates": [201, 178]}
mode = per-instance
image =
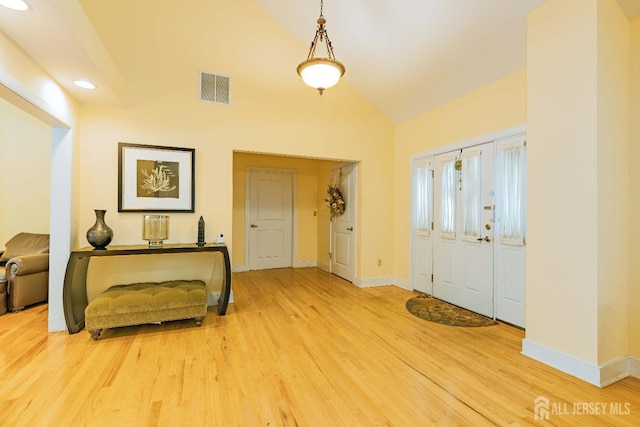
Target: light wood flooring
{"type": "Point", "coordinates": [298, 347]}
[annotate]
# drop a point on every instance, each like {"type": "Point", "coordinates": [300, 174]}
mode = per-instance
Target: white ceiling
{"type": "Point", "coordinates": [404, 56]}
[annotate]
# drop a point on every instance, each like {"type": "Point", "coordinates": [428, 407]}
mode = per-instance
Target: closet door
{"type": "Point", "coordinates": [270, 215]}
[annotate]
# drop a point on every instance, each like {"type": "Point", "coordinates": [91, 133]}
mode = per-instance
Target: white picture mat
{"type": "Point", "coordinates": [130, 200]}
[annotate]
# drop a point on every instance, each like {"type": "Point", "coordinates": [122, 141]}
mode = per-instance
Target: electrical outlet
{"type": "Point", "coordinates": [379, 262]}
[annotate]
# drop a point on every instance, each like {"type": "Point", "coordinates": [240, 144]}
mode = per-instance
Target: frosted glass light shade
{"type": "Point", "coordinates": [155, 229]}
{"type": "Point", "coordinates": [321, 73]}
{"type": "Point", "coordinates": [18, 5]}
{"type": "Point", "coordinates": [84, 84]}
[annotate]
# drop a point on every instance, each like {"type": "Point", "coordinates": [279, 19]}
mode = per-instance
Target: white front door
{"type": "Point", "coordinates": [422, 226]}
{"type": "Point", "coordinates": [463, 228]}
{"type": "Point", "coordinates": [270, 214]}
{"type": "Point", "coordinates": [343, 251]}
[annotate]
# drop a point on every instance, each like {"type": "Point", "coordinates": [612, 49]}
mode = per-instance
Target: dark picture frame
{"type": "Point", "coordinates": [155, 178]}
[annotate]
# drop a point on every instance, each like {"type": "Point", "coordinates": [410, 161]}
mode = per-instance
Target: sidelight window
{"type": "Point", "coordinates": [423, 199]}
{"type": "Point", "coordinates": [512, 209]}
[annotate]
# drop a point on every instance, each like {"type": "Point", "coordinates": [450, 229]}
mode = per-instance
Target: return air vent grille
{"type": "Point", "coordinates": [215, 88]}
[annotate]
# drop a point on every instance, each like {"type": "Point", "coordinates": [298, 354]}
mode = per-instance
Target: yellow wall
{"type": "Point", "coordinates": [577, 121]}
{"type": "Point", "coordinates": [499, 105]}
{"type": "Point", "coordinates": [310, 212]}
{"type": "Point", "coordinates": [25, 150]}
{"type": "Point", "coordinates": [613, 180]}
{"type": "Point", "coordinates": [634, 191]}
{"type": "Point", "coordinates": [561, 290]}
{"type": "Point", "coordinates": [279, 115]}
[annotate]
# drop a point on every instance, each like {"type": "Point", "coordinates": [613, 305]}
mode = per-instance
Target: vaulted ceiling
{"type": "Point", "coordinates": [403, 56]}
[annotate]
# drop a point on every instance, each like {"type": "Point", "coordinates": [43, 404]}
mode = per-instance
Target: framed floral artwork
{"type": "Point", "coordinates": [153, 178]}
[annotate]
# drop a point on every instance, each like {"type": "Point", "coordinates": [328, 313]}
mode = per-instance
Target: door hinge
{"type": "Point", "coordinates": [432, 173]}
{"type": "Point", "coordinates": [431, 277]}
{"type": "Point", "coordinates": [330, 255]}
{"type": "Point", "coordinates": [432, 225]}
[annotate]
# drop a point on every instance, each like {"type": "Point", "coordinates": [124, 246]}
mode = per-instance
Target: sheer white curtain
{"type": "Point", "coordinates": [471, 190]}
{"type": "Point", "coordinates": [448, 200]}
{"type": "Point", "coordinates": [512, 210]}
{"type": "Point", "coordinates": [423, 200]}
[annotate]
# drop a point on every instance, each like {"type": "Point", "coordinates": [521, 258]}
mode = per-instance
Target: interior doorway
{"type": "Point", "coordinates": [61, 188]}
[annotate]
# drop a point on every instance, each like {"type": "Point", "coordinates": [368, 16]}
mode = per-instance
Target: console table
{"type": "Point", "coordinates": [74, 292]}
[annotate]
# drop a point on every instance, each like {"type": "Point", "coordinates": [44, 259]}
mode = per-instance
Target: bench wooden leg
{"type": "Point", "coordinates": [95, 334]}
{"type": "Point", "coordinates": [199, 321]}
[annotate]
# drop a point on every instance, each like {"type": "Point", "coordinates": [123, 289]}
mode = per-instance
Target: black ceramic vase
{"type": "Point", "coordinates": [100, 235]}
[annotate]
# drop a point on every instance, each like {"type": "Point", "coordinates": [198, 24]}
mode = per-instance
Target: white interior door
{"type": "Point", "coordinates": [270, 224]}
{"type": "Point", "coordinates": [510, 229]}
{"type": "Point", "coordinates": [463, 228]}
{"type": "Point", "coordinates": [343, 250]}
{"type": "Point", "coordinates": [422, 263]}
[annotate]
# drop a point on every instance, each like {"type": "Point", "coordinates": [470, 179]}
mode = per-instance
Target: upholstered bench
{"type": "Point", "coordinates": [151, 302]}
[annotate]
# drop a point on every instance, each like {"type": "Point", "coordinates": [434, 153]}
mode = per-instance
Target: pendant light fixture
{"type": "Point", "coordinates": [321, 72]}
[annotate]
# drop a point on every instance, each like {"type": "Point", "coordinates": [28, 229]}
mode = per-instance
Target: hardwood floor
{"type": "Point", "coordinates": [298, 347]}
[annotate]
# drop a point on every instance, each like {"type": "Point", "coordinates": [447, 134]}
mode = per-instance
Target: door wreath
{"type": "Point", "coordinates": [335, 201]}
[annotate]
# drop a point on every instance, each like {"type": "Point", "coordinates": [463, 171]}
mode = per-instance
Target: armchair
{"type": "Point", "coordinates": [24, 265]}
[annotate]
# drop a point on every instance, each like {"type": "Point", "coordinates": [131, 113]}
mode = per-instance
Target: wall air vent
{"type": "Point", "coordinates": [215, 88]}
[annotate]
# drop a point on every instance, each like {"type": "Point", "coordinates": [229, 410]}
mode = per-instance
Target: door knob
{"type": "Point", "coordinates": [485, 238]}
{"type": "Point", "coordinates": [350, 228]}
{"type": "Point", "coordinates": [254, 226]}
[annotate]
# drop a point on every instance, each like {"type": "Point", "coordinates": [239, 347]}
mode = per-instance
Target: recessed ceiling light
{"type": "Point", "coordinates": [19, 5]}
{"type": "Point", "coordinates": [83, 83]}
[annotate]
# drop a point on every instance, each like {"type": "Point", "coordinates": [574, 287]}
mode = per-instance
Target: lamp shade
{"type": "Point", "coordinates": [321, 73]}
{"type": "Point", "coordinates": [325, 71]}
{"type": "Point", "coordinates": [155, 229]}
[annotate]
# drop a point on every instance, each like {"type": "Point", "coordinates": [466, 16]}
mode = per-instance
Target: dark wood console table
{"type": "Point", "coordinates": [74, 292]}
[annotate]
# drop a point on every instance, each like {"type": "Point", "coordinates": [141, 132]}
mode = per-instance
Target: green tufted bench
{"type": "Point", "coordinates": [151, 302]}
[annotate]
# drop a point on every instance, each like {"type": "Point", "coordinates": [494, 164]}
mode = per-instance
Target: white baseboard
{"type": "Point", "coordinates": [598, 375]}
{"type": "Point", "coordinates": [296, 264]}
{"type": "Point", "coordinates": [213, 297]}
{"type": "Point", "coordinates": [382, 281]}
{"type": "Point", "coordinates": [578, 368]}
{"type": "Point", "coordinates": [305, 264]}
{"type": "Point", "coordinates": [613, 371]}
{"type": "Point", "coordinates": [373, 281]}
{"type": "Point", "coordinates": [634, 367]}
{"type": "Point", "coordinates": [404, 284]}
{"type": "Point", "coordinates": [322, 266]}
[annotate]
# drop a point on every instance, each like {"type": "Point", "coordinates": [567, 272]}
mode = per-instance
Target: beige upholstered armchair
{"type": "Point", "coordinates": [24, 265]}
